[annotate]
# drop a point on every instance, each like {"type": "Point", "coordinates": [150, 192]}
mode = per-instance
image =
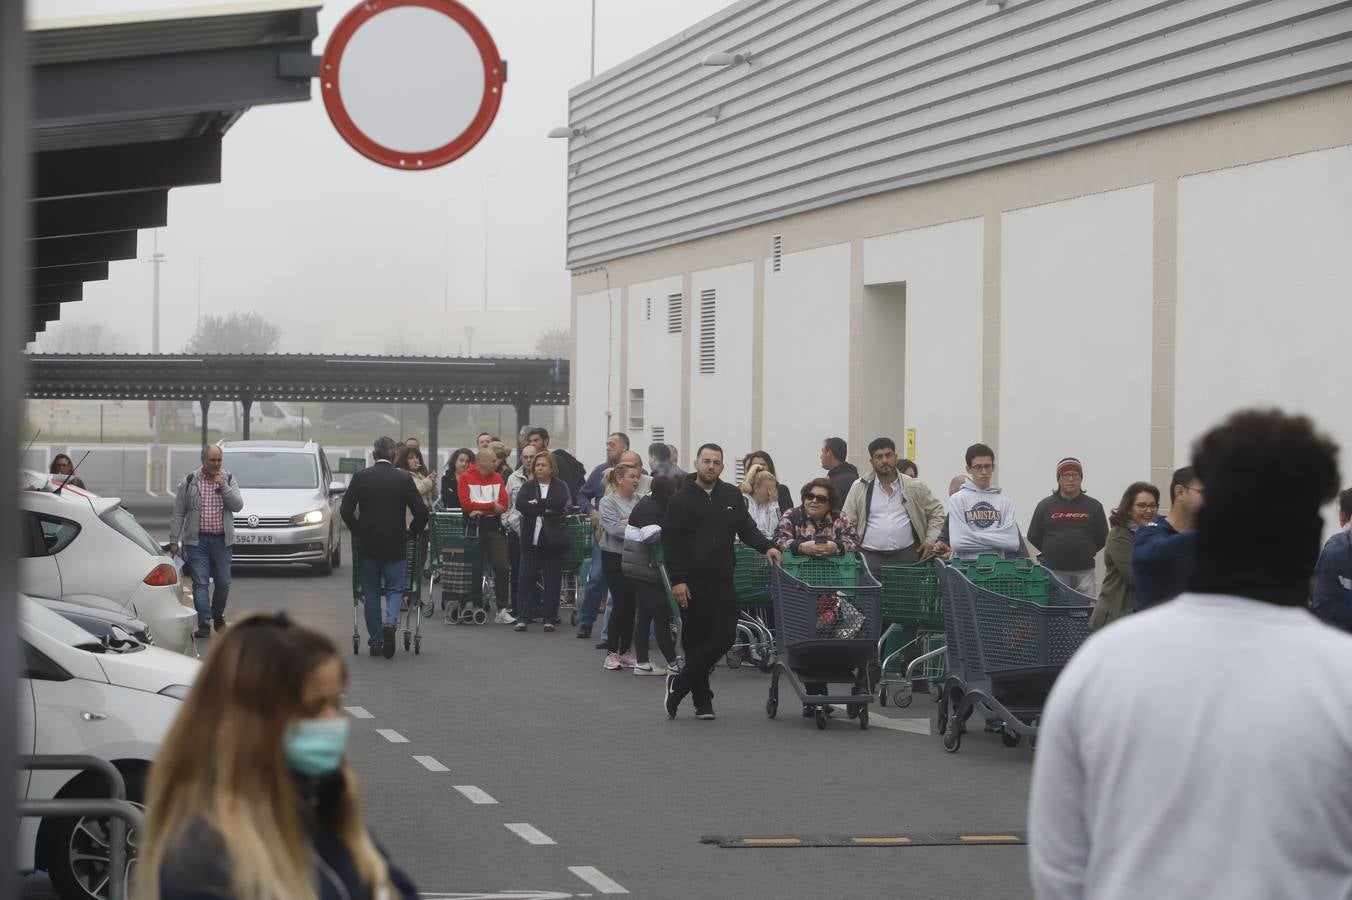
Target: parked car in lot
{"type": "Point", "coordinates": [291, 500]}
{"type": "Point", "coordinates": [370, 425]}
{"type": "Point", "coordinates": [117, 629]}
{"type": "Point", "coordinates": [88, 550]}
{"type": "Point", "coordinates": [78, 695]}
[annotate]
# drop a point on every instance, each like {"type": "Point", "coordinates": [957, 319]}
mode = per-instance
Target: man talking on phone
{"type": "Point", "coordinates": [204, 524]}
{"type": "Point", "coordinates": [703, 517]}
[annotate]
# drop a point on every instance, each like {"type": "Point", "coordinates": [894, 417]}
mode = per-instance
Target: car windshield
{"type": "Point", "coordinates": [261, 469]}
{"type": "Point", "coordinates": [125, 524]}
{"type": "Point", "coordinates": [56, 626]}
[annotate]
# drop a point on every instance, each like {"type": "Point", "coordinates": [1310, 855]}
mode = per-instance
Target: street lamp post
{"type": "Point", "coordinates": [156, 260]}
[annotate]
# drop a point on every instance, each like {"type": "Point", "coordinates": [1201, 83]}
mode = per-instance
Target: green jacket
{"type": "Point", "coordinates": [925, 510]}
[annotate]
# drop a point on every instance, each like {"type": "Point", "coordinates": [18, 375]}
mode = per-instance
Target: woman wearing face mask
{"type": "Point", "coordinates": [1140, 503]}
{"type": "Point", "coordinates": [461, 460]}
{"type": "Point", "coordinates": [250, 796]}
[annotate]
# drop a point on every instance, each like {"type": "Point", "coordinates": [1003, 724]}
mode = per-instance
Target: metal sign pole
{"type": "Point", "coordinates": [14, 321]}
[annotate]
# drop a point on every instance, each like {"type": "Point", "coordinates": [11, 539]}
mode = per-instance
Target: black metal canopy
{"type": "Point", "coordinates": [126, 108]}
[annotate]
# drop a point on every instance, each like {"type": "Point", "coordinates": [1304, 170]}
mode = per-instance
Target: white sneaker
{"type": "Point", "coordinates": [505, 618]}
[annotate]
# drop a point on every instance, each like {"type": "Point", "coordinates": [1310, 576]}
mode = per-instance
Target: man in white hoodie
{"type": "Point", "coordinates": [980, 518]}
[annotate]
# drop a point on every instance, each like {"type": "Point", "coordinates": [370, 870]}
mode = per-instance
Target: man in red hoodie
{"type": "Point", "coordinates": [483, 497]}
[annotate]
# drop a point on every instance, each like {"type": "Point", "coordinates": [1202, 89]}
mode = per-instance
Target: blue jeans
{"type": "Point", "coordinates": [596, 589]}
{"type": "Point", "coordinates": [209, 559]}
{"type": "Point", "coordinates": [373, 571]}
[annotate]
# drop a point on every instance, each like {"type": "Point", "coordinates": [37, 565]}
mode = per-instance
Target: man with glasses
{"type": "Point", "coordinates": [980, 518]}
{"type": "Point", "coordinates": [1161, 555]}
{"type": "Point", "coordinates": [703, 517]}
{"type": "Point", "coordinates": [1069, 528]}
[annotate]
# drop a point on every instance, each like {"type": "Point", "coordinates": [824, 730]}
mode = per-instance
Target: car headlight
{"type": "Point", "coordinates": [177, 691]}
{"type": "Point", "coordinates": [313, 517]}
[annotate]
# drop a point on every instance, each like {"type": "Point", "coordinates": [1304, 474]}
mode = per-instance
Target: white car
{"type": "Point", "coordinates": [86, 549]}
{"type": "Point", "coordinates": [77, 696]}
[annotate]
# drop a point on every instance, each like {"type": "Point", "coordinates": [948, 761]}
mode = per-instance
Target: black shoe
{"type": "Point", "coordinates": [202, 632]}
{"type": "Point", "coordinates": [671, 701]}
{"type": "Point", "coordinates": [219, 623]}
{"type": "Point", "coordinates": [601, 645]}
{"type": "Point", "coordinates": [388, 634]}
{"type": "Point", "coordinates": [584, 631]}
{"type": "Point", "coordinates": [375, 650]}
{"type": "Point", "coordinates": [704, 712]}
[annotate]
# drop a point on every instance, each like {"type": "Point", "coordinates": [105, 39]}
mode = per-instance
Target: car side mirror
{"type": "Point", "coordinates": [336, 488]}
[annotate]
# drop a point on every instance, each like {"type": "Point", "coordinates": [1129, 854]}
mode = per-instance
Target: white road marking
{"type": "Point", "coordinates": [475, 795]}
{"type": "Point", "coordinates": [598, 879]}
{"type": "Point", "coordinates": [431, 764]}
{"type": "Point", "coordinates": [392, 736]}
{"type": "Point", "coordinates": [911, 726]}
{"type": "Point", "coordinates": [358, 712]}
{"type": "Point", "coordinates": [529, 833]}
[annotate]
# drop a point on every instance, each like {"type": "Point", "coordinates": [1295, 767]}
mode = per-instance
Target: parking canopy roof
{"type": "Point", "coordinates": [128, 106]}
{"type": "Point", "coordinates": [515, 381]}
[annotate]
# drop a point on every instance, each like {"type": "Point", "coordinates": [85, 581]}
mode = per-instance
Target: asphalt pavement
{"type": "Point", "coordinates": [497, 763]}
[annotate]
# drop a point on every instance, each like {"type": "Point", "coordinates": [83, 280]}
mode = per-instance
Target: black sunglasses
{"type": "Point", "coordinates": [819, 498]}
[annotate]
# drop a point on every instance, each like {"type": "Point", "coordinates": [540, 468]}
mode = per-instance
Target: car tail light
{"type": "Point", "coordinates": [162, 575]}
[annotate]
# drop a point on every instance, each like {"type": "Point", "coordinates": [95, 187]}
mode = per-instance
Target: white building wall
{"type": "Point", "coordinates": [941, 267]}
{"type": "Point", "coordinates": [1264, 304]}
{"type": "Point", "coordinates": [720, 403]}
{"type": "Point", "coordinates": [805, 359]}
{"type": "Point", "coordinates": [1075, 344]}
{"type": "Point", "coordinates": [597, 367]}
{"type": "Point", "coordinates": [654, 364]}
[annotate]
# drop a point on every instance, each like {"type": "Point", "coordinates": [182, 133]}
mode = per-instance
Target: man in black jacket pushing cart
{"type": "Point", "coordinates": [703, 517]}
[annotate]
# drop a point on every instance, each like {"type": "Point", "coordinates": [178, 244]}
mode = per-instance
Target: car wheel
{"type": "Point", "coordinates": [76, 851]}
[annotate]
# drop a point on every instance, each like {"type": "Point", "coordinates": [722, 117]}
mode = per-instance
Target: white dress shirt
{"type": "Point", "coordinates": [889, 525]}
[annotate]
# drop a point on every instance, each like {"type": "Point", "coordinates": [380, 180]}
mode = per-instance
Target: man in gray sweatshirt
{"type": "Point", "coordinates": [1069, 528]}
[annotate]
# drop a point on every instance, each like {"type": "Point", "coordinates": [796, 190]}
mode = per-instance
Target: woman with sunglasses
{"type": "Point", "coordinates": [1140, 503]}
{"type": "Point", "coordinates": [251, 796]}
{"type": "Point", "coordinates": [814, 530]}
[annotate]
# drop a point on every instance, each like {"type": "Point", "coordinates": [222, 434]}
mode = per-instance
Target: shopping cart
{"type": "Point", "coordinates": [755, 641]}
{"type": "Point", "coordinates": [460, 562]}
{"type": "Point", "coordinates": [1005, 652]}
{"type": "Point", "coordinates": [913, 617]}
{"type": "Point", "coordinates": [828, 614]}
{"type": "Point", "coordinates": [411, 611]}
{"type": "Point", "coordinates": [576, 565]}
{"type": "Point", "coordinates": [677, 623]}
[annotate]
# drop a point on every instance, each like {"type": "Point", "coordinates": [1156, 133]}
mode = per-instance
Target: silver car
{"type": "Point", "coordinates": [291, 501]}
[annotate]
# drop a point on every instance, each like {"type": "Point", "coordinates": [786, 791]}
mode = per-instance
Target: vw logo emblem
{"type": "Point", "coordinates": [253, 521]}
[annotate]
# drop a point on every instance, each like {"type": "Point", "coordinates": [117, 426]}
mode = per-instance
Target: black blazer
{"type": "Point", "coordinates": [553, 506]}
{"type": "Point", "coordinates": [373, 510]}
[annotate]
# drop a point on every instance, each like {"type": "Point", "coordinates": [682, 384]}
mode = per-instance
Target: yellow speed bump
{"type": "Point", "coordinates": [990, 838]}
{"type": "Point", "coordinates": [772, 841]}
{"type": "Point", "coordinates": [882, 841]}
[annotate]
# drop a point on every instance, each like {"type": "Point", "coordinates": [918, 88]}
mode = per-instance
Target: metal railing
{"type": "Point", "coordinates": [123, 814]}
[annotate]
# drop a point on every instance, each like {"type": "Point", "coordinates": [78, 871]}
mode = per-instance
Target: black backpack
{"type": "Point", "coordinates": [571, 472]}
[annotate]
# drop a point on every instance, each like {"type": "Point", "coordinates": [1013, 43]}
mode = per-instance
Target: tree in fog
{"type": "Point", "coordinates": [237, 332]}
{"type": "Point", "coordinates": [79, 337]}
{"type": "Point", "coordinates": [555, 342]}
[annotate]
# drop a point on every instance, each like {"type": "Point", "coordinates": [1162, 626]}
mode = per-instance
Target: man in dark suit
{"type": "Point", "coordinates": [374, 510]}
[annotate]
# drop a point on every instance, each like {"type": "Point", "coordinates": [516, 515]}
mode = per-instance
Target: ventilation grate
{"type": "Point", "coordinates": [707, 332]}
{"type": "Point", "coordinates": [776, 252]}
{"type": "Point", "coordinates": [659, 434]}
{"type": "Point", "coordinates": [648, 310]}
{"type": "Point", "coordinates": [675, 313]}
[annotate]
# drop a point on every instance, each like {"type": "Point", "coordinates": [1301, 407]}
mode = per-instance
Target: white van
{"type": "Point", "coordinates": [266, 418]}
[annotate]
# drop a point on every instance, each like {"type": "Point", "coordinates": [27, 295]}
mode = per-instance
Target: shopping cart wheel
{"type": "Point", "coordinates": [572, 619]}
{"type": "Point", "coordinates": [819, 713]}
{"type": "Point", "coordinates": [863, 718]}
{"type": "Point", "coordinates": [771, 707]}
{"type": "Point", "coordinates": [952, 736]}
{"type": "Point", "coordinates": [766, 661]}
{"type": "Point", "coordinates": [356, 645]}
{"type": "Point", "coordinates": [882, 694]}
{"type": "Point", "coordinates": [417, 645]}
{"type": "Point", "coordinates": [1010, 738]}
{"type": "Point", "coordinates": [481, 617]}
{"type": "Point", "coordinates": [902, 696]}
{"type": "Point", "coordinates": [408, 640]}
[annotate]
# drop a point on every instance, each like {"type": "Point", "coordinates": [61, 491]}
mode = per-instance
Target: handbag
{"type": "Point", "coordinates": [839, 619]}
{"type": "Point", "coordinates": [553, 538]}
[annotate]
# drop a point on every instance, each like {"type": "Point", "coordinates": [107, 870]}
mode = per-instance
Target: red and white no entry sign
{"type": "Point", "coordinates": [412, 84]}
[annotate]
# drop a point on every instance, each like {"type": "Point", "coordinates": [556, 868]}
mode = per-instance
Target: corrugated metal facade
{"type": "Point", "coordinates": [847, 98]}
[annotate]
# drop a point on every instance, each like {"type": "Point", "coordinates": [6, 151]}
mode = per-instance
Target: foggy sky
{"type": "Point", "coordinates": [345, 255]}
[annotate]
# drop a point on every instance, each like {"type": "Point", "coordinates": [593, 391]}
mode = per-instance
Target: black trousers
{"type": "Point", "coordinates": [620, 632]}
{"type": "Point", "coordinates": [709, 629]}
{"type": "Point", "coordinates": [514, 557]}
{"type": "Point", "coordinates": [652, 612]}
{"type": "Point", "coordinates": [533, 603]}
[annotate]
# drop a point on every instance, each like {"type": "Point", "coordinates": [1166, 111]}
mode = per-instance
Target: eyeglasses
{"type": "Point", "coordinates": [982, 467]}
{"type": "Point", "coordinates": [1146, 505]}
{"type": "Point", "coordinates": [817, 498]}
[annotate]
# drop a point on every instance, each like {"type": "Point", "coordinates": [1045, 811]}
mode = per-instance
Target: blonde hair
{"type": "Point", "coordinates": [500, 450]}
{"type": "Point", "coordinates": [761, 477]}
{"type": "Point", "coordinates": [223, 767]}
{"type": "Point", "coordinates": [613, 474]}
{"type": "Point", "coordinates": [553, 463]}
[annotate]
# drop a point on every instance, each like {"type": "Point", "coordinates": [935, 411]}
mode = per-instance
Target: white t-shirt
{"type": "Point", "coordinates": [1200, 749]}
{"type": "Point", "coordinates": [889, 525]}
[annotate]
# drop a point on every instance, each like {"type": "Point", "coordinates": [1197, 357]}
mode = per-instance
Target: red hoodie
{"type": "Point", "coordinates": [480, 492]}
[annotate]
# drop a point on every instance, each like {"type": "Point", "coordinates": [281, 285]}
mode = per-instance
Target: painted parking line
{"type": "Point", "coordinates": [909, 725]}
{"type": "Point", "coordinates": [358, 712]}
{"type": "Point", "coordinates": [392, 736]}
{"type": "Point", "coordinates": [529, 833]}
{"type": "Point", "coordinates": [430, 764]}
{"type": "Point", "coordinates": [475, 795]}
{"type": "Point", "coordinates": [598, 879]}
{"type": "Point", "coordinates": [923, 839]}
